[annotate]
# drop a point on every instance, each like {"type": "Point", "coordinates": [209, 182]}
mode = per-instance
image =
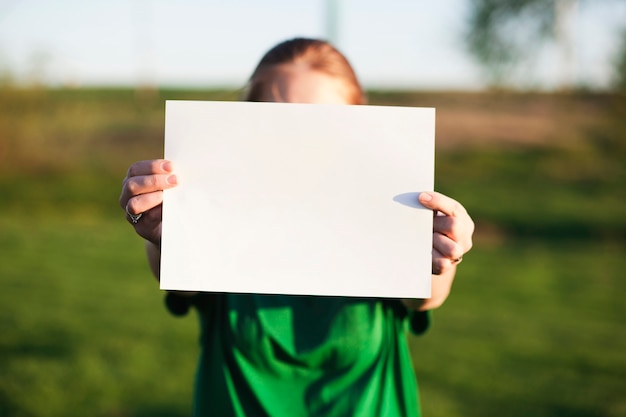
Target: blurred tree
{"type": "Point", "coordinates": [501, 32]}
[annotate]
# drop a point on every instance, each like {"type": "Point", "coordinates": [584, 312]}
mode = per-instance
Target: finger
{"type": "Point", "coordinates": [459, 229]}
{"type": "Point", "coordinates": [145, 184]}
{"type": "Point", "coordinates": [439, 262]}
{"type": "Point", "coordinates": [445, 225]}
{"type": "Point", "coordinates": [149, 219]}
{"type": "Point", "coordinates": [149, 226]}
{"type": "Point", "coordinates": [447, 247]}
{"type": "Point", "coordinates": [144, 202]}
{"type": "Point", "coordinates": [150, 167]}
{"type": "Point", "coordinates": [452, 221]}
{"type": "Point", "coordinates": [143, 168]}
{"type": "Point", "coordinates": [439, 202]}
{"type": "Point", "coordinates": [456, 228]}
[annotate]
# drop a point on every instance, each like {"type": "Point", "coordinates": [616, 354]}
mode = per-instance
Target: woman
{"type": "Point", "coordinates": [295, 355]}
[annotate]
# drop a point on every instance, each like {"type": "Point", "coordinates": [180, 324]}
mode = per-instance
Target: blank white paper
{"type": "Point", "coordinates": [310, 199]}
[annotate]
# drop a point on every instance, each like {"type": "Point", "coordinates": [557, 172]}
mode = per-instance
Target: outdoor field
{"type": "Point", "coordinates": [535, 325]}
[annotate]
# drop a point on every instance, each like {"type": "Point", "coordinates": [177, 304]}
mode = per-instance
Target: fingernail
{"type": "Point", "coordinates": [172, 180]}
{"type": "Point", "coordinates": [167, 166]}
{"type": "Point", "coordinates": [425, 197]}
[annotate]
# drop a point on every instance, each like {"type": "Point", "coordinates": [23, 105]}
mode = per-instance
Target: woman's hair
{"type": "Point", "coordinates": [315, 54]}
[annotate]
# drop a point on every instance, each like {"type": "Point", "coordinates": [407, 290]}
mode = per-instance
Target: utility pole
{"type": "Point", "coordinates": [565, 12]}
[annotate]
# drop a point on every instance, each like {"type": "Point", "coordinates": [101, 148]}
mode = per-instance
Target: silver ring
{"type": "Point", "coordinates": [134, 218]}
{"type": "Point", "coordinates": [457, 260]}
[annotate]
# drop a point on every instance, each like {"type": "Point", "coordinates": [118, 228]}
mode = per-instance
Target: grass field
{"type": "Point", "coordinates": [536, 324]}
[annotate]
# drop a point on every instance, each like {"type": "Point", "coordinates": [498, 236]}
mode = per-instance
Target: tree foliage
{"type": "Point", "coordinates": [501, 31]}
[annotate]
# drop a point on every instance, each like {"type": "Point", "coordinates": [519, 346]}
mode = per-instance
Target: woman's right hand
{"type": "Point", "coordinates": [142, 194]}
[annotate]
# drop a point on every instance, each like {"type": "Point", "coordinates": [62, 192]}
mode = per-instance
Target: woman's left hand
{"type": "Point", "coordinates": [452, 231]}
{"type": "Point", "coordinates": [452, 238]}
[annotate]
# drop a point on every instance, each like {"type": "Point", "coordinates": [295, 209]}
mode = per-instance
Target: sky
{"type": "Point", "coordinates": [208, 43]}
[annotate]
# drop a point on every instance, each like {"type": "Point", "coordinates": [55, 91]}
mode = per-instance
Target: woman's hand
{"type": "Point", "coordinates": [452, 231]}
{"type": "Point", "coordinates": [452, 238]}
{"type": "Point", "coordinates": [142, 195]}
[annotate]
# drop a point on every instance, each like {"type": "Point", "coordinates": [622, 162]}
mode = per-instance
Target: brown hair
{"type": "Point", "coordinates": [317, 55]}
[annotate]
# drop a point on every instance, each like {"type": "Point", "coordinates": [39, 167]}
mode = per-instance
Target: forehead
{"type": "Point", "coordinates": [294, 83]}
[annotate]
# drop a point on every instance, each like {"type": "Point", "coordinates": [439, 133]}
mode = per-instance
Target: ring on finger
{"type": "Point", "coordinates": [134, 218]}
{"type": "Point", "coordinates": [457, 260]}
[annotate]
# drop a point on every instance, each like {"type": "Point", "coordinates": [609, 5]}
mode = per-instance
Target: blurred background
{"type": "Point", "coordinates": [531, 123]}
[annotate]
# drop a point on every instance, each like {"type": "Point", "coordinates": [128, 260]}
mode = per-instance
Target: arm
{"type": "Point", "coordinates": [153, 253]}
{"type": "Point", "coordinates": [441, 286]}
{"type": "Point", "coordinates": [452, 238]}
{"type": "Point", "coordinates": [142, 194]}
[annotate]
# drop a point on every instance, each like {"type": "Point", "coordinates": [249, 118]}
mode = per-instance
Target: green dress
{"type": "Point", "coordinates": [273, 355]}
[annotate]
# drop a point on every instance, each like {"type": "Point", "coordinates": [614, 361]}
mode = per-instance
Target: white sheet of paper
{"type": "Point", "coordinates": [298, 199]}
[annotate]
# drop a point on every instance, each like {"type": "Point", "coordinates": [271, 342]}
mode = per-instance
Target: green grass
{"type": "Point", "coordinates": [70, 284]}
{"type": "Point", "coordinates": [84, 329]}
{"type": "Point", "coordinates": [543, 193]}
{"type": "Point", "coordinates": [535, 326]}
{"type": "Point", "coordinates": [532, 329]}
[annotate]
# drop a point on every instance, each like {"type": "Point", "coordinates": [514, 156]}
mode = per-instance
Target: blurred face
{"type": "Point", "coordinates": [292, 83]}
